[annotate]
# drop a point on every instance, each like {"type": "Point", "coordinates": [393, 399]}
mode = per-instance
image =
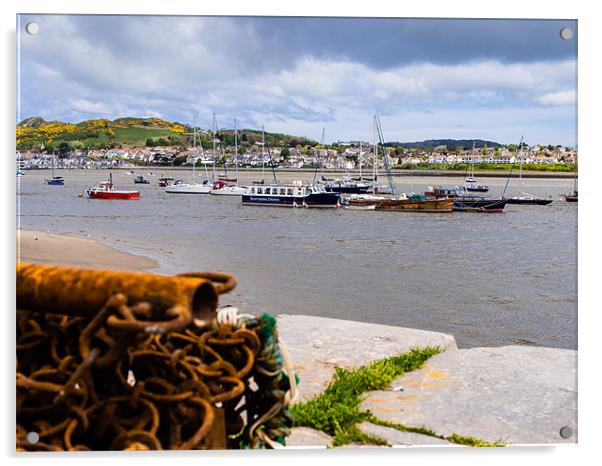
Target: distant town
{"type": "Point", "coordinates": [346, 155]}
{"type": "Point", "coordinates": [130, 142]}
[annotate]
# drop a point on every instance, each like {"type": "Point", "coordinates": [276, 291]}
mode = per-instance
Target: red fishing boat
{"type": "Point", "coordinates": [106, 190]}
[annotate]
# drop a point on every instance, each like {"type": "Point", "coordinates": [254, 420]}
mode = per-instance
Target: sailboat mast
{"type": "Point", "coordinates": [236, 149]}
{"type": "Point", "coordinates": [575, 181]}
{"type": "Point", "coordinates": [375, 160]}
{"type": "Point", "coordinates": [359, 159]}
{"type": "Point", "coordinates": [385, 156]}
{"type": "Point", "coordinates": [520, 144]}
{"type": "Point", "coordinates": [262, 152]}
{"type": "Point", "coordinates": [520, 169]}
{"type": "Point", "coordinates": [317, 165]}
{"type": "Point", "coordinates": [270, 155]}
{"type": "Point", "coordinates": [194, 149]}
{"type": "Point", "coordinates": [214, 149]}
{"type": "Point", "coordinates": [473, 158]}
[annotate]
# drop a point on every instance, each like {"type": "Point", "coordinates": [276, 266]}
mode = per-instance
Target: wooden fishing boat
{"type": "Point", "coordinates": [403, 203]}
{"type": "Point", "coordinates": [416, 205]}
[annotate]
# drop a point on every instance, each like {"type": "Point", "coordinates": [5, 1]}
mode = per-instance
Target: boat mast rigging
{"type": "Point", "coordinates": [317, 158]}
{"type": "Point", "coordinates": [385, 155]}
{"type": "Point", "coordinates": [269, 153]}
{"type": "Point", "coordinates": [236, 148]}
{"type": "Point", "coordinates": [520, 144]}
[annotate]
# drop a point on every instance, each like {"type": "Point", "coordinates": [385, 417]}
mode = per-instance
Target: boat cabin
{"type": "Point", "coordinates": [286, 191]}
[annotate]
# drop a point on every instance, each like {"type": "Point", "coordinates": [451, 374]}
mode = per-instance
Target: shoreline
{"type": "Point", "coordinates": [44, 247]}
{"type": "Point", "coordinates": [354, 172]}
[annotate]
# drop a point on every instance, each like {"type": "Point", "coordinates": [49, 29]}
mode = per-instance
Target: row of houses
{"type": "Point", "coordinates": [256, 156]}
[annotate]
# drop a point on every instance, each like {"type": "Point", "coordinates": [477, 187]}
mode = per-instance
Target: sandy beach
{"type": "Point", "coordinates": [42, 247]}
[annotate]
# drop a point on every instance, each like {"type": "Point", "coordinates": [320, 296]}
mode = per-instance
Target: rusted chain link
{"type": "Point", "coordinates": [122, 378]}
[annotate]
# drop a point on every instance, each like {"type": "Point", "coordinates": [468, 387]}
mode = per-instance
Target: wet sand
{"type": "Point", "coordinates": [45, 248]}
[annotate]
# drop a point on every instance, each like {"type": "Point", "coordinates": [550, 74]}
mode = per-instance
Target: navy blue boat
{"type": "Point", "coordinates": [56, 181]}
{"type": "Point", "coordinates": [467, 202]}
{"type": "Point", "coordinates": [290, 196]}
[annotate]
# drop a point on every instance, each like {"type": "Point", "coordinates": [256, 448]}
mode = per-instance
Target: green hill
{"type": "Point", "coordinates": [35, 133]}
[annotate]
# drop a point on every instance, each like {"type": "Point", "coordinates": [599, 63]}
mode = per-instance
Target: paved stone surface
{"type": "Point", "coordinates": [307, 437]}
{"type": "Point", "coordinates": [398, 438]}
{"type": "Point", "coordinates": [317, 345]}
{"type": "Point", "coordinates": [512, 394]}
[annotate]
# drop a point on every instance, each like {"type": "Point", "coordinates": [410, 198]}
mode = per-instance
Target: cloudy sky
{"type": "Point", "coordinates": [428, 79]}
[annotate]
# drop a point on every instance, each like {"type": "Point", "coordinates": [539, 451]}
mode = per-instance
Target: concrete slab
{"type": "Point", "coordinates": [512, 394]}
{"type": "Point", "coordinates": [398, 438]}
{"type": "Point", "coordinates": [305, 437]}
{"type": "Point", "coordinates": [317, 345]}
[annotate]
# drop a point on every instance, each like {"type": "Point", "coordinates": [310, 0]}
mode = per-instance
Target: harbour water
{"type": "Point", "coordinates": [488, 279]}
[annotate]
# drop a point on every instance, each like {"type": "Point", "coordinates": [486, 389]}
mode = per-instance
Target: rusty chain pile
{"type": "Point", "coordinates": [125, 377]}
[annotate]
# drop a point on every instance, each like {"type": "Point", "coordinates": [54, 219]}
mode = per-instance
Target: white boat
{"type": "Point", "coordinates": [224, 186]}
{"type": "Point", "coordinates": [359, 207]}
{"type": "Point", "coordinates": [179, 187]}
{"type": "Point", "coordinates": [190, 188]}
{"type": "Point", "coordinates": [221, 189]}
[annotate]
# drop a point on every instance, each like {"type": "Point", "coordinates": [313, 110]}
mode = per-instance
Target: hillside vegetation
{"type": "Point", "coordinates": [36, 133]}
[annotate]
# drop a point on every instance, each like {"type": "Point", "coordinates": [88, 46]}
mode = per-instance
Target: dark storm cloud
{"type": "Point", "coordinates": [392, 42]}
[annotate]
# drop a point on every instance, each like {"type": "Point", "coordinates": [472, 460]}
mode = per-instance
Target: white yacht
{"type": "Point", "coordinates": [180, 187]}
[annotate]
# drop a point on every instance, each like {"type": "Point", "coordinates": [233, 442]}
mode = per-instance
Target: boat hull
{"type": "Point", "coordinates": [188, 189]}
{"type": "Point", "coordinates": [347, 189]}
{"type": "Point", "coordinates": [568, 198]}
{"type": "Point", "coordinates": [529, 201]}
{"type": "Point", "coordinates": [403, 205]}
{"type": "Point", "coordinates": [229, 191]}
{"type": "Point", "coordinates": [476, 189]}
{"type": "Point", "coordinates": [114, 195]}
{"type": "Point", "coordinates": [479, 205]}
{"type": "Point", "coordinates": [315, 200]}
{"type": "Point", "coordinates": [55, 183]}
{"type": "Point", "coordinates": [416, 205]}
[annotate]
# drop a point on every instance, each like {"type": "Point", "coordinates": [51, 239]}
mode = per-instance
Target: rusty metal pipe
{"type": "Point", "coordinates": [83, 292]}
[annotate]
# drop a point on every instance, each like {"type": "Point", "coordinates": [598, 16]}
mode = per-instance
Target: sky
{"type": "Point", "coordinates": [427, 78]}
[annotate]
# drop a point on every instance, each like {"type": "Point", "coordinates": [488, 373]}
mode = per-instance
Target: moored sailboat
{"type": "Point", "coordinates": [55, 180]}
{"type": "Point", "coordinates": [574, 196]}
{"type": "Point", "coordinates": [470, 181]}
{"type": "Point", "coordinates": [192, 188]}
{"type": "Point", "coordinates": [400, 203]}
{"type": "Point", "coordinates": [225, 186]}
{"type": "Point", "coordinates": [465, 201]}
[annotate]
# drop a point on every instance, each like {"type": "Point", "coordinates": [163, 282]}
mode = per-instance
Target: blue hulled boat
{"type": "Point", "coordinates": [56, 181]}
{"type": "Point", "coordinates": [292, 195]}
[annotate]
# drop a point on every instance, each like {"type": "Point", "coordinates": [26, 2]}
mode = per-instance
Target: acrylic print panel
{"type": "Point", "coordinates": [216, 213]}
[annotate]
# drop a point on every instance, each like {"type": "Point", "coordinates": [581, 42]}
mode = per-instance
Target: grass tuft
{"type": "Point", "coordinates": [337, 411]}
{"type": "Point", "coordinates": [454, 438]}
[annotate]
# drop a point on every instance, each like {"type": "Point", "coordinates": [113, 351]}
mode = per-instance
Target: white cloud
{"type": "Point", "coordinates": [85, 106]}
{"type": "Point", "coordinates": [558, 98]}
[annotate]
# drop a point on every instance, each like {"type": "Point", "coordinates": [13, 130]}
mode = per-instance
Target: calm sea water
{"type": "Point", "coordinates": [488, 279]}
